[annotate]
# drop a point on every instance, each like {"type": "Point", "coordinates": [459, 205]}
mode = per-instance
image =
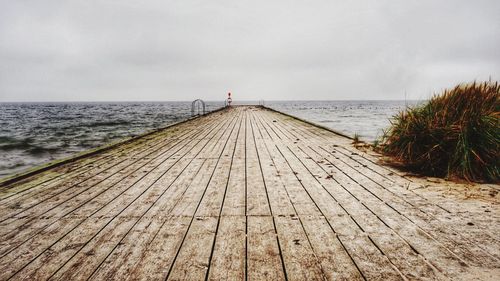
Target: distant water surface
{"type": "Point", "coordinates": [34, 133]}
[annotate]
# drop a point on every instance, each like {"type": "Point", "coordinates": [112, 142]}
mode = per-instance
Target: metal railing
{"type": "Point", "coordinates": [197, 105]}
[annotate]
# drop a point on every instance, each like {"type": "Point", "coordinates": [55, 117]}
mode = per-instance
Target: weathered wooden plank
{"type": "Point", "coordinates": [263, 253]}
{"type": "Point", "coordinates": [229, 252]}
{"type": "Point", "coordinates": [257, 202]}
{"type": "Point", "coordinates": [155, 262]}
{"type": "Point", "coordinates": [279, 202]}
{"type": "Point", "coordinates": [214, 149]}
{"type": "Point", "coordinates": [300, 261]}
{"type": "Point", "coordinates": [228, 257]}
{"type": "Point", "coordinates": [215, 152]}
{"type": "Point", "coordinates": [122, 259]}
{"type": "Point", "coordinates": [212, 201]}
{"type": "Point", "coordinates": [193, 258]}
{"type": "Point", "coordinates": [112, 236]}
{"type": "Point", "coordinates": [334, 259]}
{"type": "Point", "coordinates": [190, 200]}
{"type": "Point", "coordinates": [235, 196]}
{"type": "Point", "coordinates": [302, 202]}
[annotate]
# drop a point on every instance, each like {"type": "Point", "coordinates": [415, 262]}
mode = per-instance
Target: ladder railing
{"type": "Point", "coordinates": [197, 105]}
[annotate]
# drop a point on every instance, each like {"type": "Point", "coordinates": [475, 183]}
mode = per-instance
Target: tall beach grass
{"type": "Point", "coordinates": [456, 134]}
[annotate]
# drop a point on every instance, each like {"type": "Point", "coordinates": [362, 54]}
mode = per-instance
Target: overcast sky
{"type": "Point", "coordinates": [95, 50]}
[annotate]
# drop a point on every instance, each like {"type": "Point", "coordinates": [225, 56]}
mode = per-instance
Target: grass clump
{"type": "Point", "coordinates": [355, 138]}
{"type": "Point", "coordinates": [455, 134]}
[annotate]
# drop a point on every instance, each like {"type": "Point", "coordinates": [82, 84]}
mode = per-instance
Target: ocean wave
{"type": "Point", "coordinates": [40, 150]}
{"type": "Point", "coordinates": [7, 168]}
{"type": "Point", "coordinates": [27, 145]}
{"type": "Point", "coordinates": [108, 123]}
{"type": "Point", "coordinates": [6, 139]}
{"type": "Point", "coordinates": [9, 143]}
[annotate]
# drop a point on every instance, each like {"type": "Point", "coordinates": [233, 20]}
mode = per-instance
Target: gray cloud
{"type": "Point", "coordinates": [181, 50]}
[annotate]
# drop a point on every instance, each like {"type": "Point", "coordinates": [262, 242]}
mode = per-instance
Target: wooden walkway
{"type": "Point", "coordinates": [241, 194]}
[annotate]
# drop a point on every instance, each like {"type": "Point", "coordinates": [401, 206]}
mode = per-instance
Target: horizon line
{"type": "Point", "coordinates": [234, 102]}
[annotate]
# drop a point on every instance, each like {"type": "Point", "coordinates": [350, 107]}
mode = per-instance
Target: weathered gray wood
{"type": "Point", "coordinates": [156, 260]}
{"type": "Point", "coordinates": [241, 194]}
{"type": "Point", "coordinates": [193, 258]}
{"type": "Point", "coordinates": [335, 260]}
{"type": "Point", "coordinates": [301, 262]}
{"type": "Point", "coordinates": [91, 199]}
{"type": "Point", "coordinates": [229, 253]}
{"type": "Point", "coordinates": [327, 207]}
{"type": "Point", "coordinates": [257, 198]}
{"type": "Point", "coordinates": [264, 257]}
{"type": "Point", "coordinates": [278, 199]}
{"type": "Point", "coordinates": [130, 194]}
{"type": "Point", "coordinates": [147, 207]}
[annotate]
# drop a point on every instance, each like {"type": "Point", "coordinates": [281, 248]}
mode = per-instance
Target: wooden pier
{"type": "Point", "coordinates": [245, 193]}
